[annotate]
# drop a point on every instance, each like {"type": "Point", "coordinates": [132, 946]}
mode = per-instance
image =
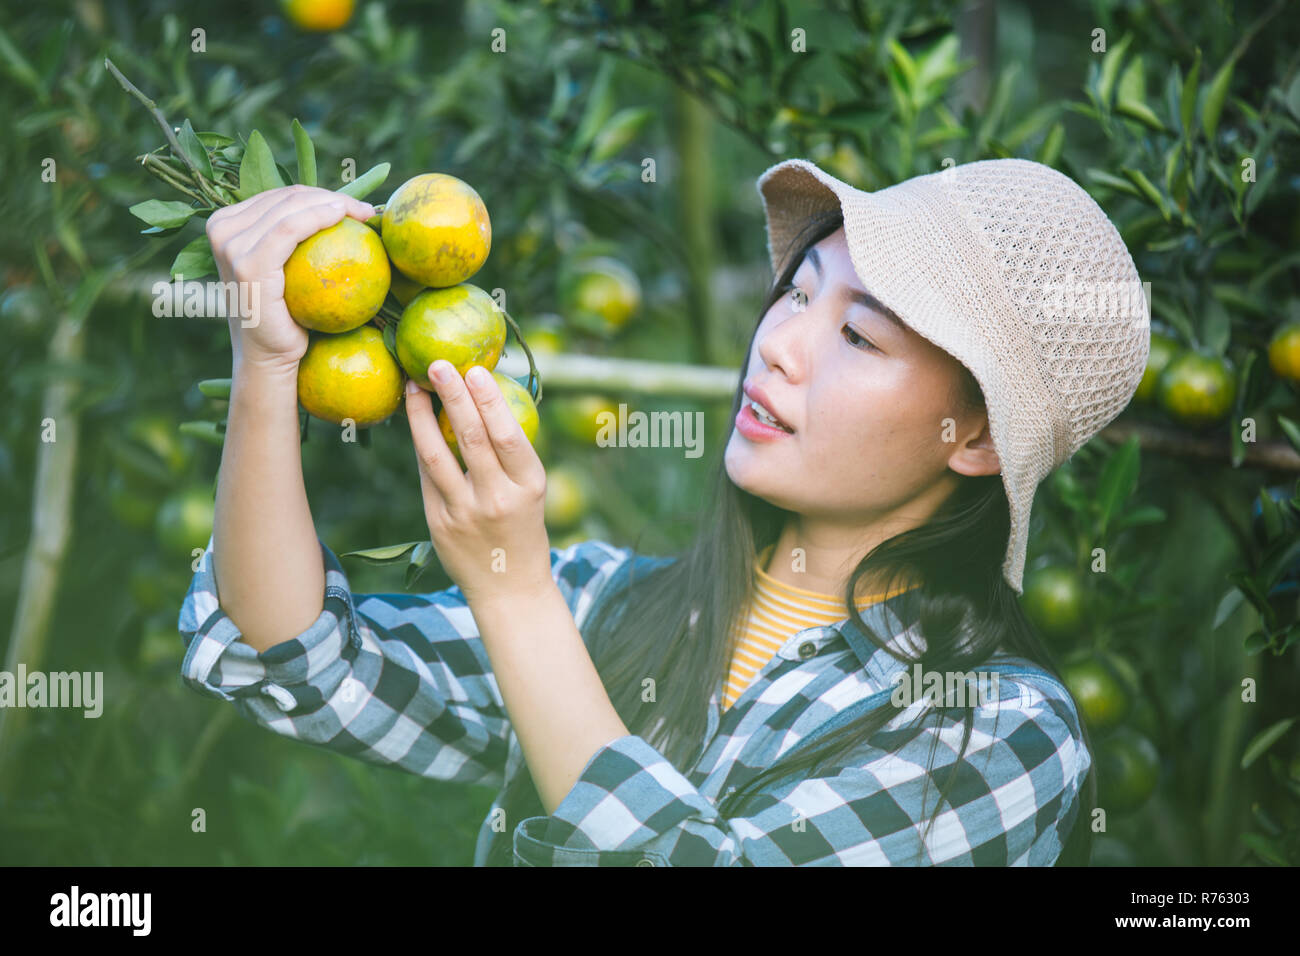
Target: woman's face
{"type": "Point", "coordinates": [867, 399]}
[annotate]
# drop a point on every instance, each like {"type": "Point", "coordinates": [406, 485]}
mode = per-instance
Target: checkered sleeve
{"type": "Point", "coordinates": [1012, 799]}
{"type": "Point", "coordinates": [394, 679]}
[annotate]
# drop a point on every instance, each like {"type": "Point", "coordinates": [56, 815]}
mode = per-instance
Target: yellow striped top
{"type": "Point", "coordinates": [777, 611]}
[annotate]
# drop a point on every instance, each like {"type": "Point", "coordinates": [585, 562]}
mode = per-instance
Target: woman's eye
{"type": "Point", "coordinates": [854, 339]}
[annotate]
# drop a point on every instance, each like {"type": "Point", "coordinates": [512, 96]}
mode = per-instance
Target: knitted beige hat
{"type": "Point", "coordinates": [1014, 270]}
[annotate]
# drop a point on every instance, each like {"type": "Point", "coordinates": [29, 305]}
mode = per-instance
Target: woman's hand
{"type": "Point", "coordinates": [251, 241]}
{"type": "Point", "coordinates": [487, 524]}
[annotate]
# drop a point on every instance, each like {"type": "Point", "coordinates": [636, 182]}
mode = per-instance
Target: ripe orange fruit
{"type": "Point", "coordinates": [336, 280]}
{"type": "Point", "coordinates": [1284, 352]}
{"type": "Point", "coordinates": [318, 15]}
{"type": "Point", "coordinates": [349, 375]}
{"type": "Point", "coordinates": [1163, 349]}
{"type": "Point", "coordinates": [518, 401]}
{"type": "Point", "coordinates": [1196, 388]}
{"type": "Point", "coordinates": [461, 324]}
{"type": "Point", "coordinates": [605, 293]}
{"type": "Point", "coordinates": [1053, 600]}
{"type": "Point", "coordinates": [436, 229]}
{"type": "Point", "coordinates": [1128, 767]}
{"type": "Point", "coordinates": [1097, 687]}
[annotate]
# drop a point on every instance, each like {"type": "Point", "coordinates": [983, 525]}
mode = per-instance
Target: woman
{"type": "Point", "coordinates": [765, 697]}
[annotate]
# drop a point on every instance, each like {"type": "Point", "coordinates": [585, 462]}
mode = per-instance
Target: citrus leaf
{"type": "Point", "coordinates": [1115, 182]}
{"type": "Point", "coordinates": [1265, 849]}
{"type": "Point", "coordinates": [306, 155]}
{"type": "Point", "coordinates": [1255, 643]}
{"type": "Point", "coordinates": [1147, 189]}
{"type": "Point", "coordinates": [390, 339]}
{"type": "Point", "coordinates": [162, 213]}
{"type": "Point", "coordinates": [1290, 429]}
{"type": "Point", "coordinates": [195, 260]}
{"type": "Point", "coordinates": [209, 432]}
{"type": "Point", "coordinates": [1265, 739]}
{"type": "Point", "coordinates": [1110, 70]}
{"type": "Point", "coordinates": [600, 104]}
{"type": "Point", "coordinates": [619, 131]}
{"type": "Point", "coordinates": [1190, 89]}
{"type": "Point", "coordinates": [1147, 514]}
{"type": "Point", "coordinates": [215, 387]}
{"type": "Point", "coordinates": [194, 149]}
{"type": "Point", "coordinates": [257, 171]}
{"type": "Point", "coordinates": [1214, 97]}
{"type": "Point", "coordinates": [388, 554]}
{"type": "Point", "coordinates": [215, 140]}
{"type": "Point", "coordinates": [367, 182]}
{"type": "Point", "coordinates": [1050, 152]}
{"type": "Point", "coordinates": [1227, 605]}
{"type": "Point", "coordinates": [1118, 480]}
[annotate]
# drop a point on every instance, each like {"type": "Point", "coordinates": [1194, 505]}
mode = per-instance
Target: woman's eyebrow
{"type": "Point", "coordinates": [858, 295]}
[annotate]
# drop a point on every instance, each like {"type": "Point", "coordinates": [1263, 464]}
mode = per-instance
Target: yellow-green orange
{"type": "Point", "coordinates": [566, 496]}
{"type": "Point", "coordinates": [336, 280]}
{"type": "Point", "coordinates": [1284, 352]}
{"type": "Point", "coordinates": [318, 15]}
{"type": "Point", "coordinates": [1053, 599]}
{"type": "Point", "coordinates": [607, 290]}
{"type": "Point", "coordinates": [461, 324]}
{"type": "Point", "coordinates": [350, 375]}
{"type": "Point", "coordinates": [1098, 690]}
{"type": "Point", "coordinates": [1128, 768]}
{"type": "Point", "coordinates": [185, 520]}
{"type": "Point", "coordinates": [578, 416]}
{"type": "Point", "coordinates": [436, 229]}
{"type": "Point", "coordinates": [1197, 389]}
{"type": "Point", "coordinates": [1163, 349]}
{"type": "Point", "coordinates": [518, 401]}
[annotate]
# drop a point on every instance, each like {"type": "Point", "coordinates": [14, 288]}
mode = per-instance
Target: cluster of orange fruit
{"type": "Point", "coordinates": [433, 235]}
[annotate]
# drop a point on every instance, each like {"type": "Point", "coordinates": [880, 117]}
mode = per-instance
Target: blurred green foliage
{"type": "Point", "coordinates": [1183, 125]}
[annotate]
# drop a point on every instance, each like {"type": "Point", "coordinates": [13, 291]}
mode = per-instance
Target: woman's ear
{"type": "Point", "coordinates": [974, 454]}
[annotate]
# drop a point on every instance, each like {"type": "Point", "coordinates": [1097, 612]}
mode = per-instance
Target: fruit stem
{"type": "Point", "coordinates": [533, 374]}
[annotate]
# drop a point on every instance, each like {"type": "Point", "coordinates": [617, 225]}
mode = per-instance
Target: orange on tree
{"type": "Point", "coordinates": [461, 324]}
{"type": "Point", "coordinates": [318, 15]}
{"type": "Point", "coordinates": [1097, 685]}
{"type": "Point", "coordinates": [349, 375]}
{"type": "Point", "coordinates": [1163, 349]}
{"type": "Point", "coordinates": [185, 520]}
{"type": "Point", "coordinates": [578, 416]}
{"type": "Point", "coordinates": [1128, 767]}
{"type": "Point", "coordinates": [1284, 352]}
{"type": "Point", "coordinates": [519, 402]}
{"type": "Point", "coordinates": [1053, 600]}
{"type": "Point", "coordinates": [436, 230]}
{"type": "Point", "coordinates": [603, 292]}
{"type": "Point", "coordinates": [131, 506]}
{"type": "Point", "coordinates": [567, 496]}
{"type": "Point", "coordinates": [1197, 388]}
{"type": "Point", "coordinates": [336, 279]}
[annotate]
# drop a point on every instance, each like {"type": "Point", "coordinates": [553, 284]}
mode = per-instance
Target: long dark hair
{"type": "Point", "coordinates": [966, 611]}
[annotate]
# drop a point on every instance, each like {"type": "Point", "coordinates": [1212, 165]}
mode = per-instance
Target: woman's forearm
{"type": "Point", "coordinates": [268, 566]}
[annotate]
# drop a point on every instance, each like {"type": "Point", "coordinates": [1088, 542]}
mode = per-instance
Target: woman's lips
{"type": "Point", "coordinates": [747, 424]}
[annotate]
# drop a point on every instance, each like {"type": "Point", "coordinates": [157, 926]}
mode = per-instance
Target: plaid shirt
{"type": "Point", "coordinates": [404, 680]}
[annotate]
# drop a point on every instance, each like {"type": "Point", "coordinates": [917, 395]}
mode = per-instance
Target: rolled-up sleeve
{"type": "Point", "coordinates": [394, 679]}
{"type": "Point", "coordinates": [1012, 800]}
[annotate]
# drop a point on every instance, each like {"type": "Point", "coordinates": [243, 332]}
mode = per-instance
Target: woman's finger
{"type": "Point", "coordinates": [440, 474]}
{"type": "Point", "coordinates": [472, 437]}
{"type": "Point", "coordinates": [513, 449]}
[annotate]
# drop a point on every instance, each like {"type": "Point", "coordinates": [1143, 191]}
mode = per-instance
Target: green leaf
{"type": "Point", "coordinates": [1265, 739]}
{"type": "Point", "coordinates": [306, 155]}
{"type": "Point", "coordinates": [1050, 152]}
{"type": "Point", "coordinates": [215, 387]}
{"type": "Point", "coordinates": [1216, 327]}
{"type": "Point", "coordinates": [1118, 480]}
{"type": "Point", "coordinates": [17, 66]}
{"type": "Point", "coordinates": [1227, 605]}
{"type": "Point", "coordinates": [195, 260]}
{"type": "Point", "coordinates": [163, 214]}
{"type": "Point", "coordinates": [1131, 98]}
{"type": "Point", "coordinates": [1255, 643]}
{"type": "Point", "coordinates": [388, 554]}
{"type": "Point", "coordinates": [390, 340]}
{"type": "Point", "coordinates": [1215, 97]}
{"type": "Point", "coordinates": [619, 131]}
{"type": "Point", "coordinates": [1266, 849]}
{"type": "Point", "coordinates": [257, 172]}
{"type": "Point", "coordinates": [210, 432]}
{"type": "Point", "coordinates": [1114, 182]}
{"type": "Point", "coordinates": [600, 104]}
{"type": "Point", "coordinates": [1290, 429]}
{"type": "Point", "coordinates": [559, 95]}
{"type": "Point", "coordinates": [1278, 560]}
{"type": "Point", "coordinates": [367, 182]}
{"type": "Point", "coordinates": [215, 140]}
{"type": "Point", "coordinates": [1147, 189]}
{"type": "Point", "coordinates": [194, 149]}
{"type": "Point", "coordinates": [1293, 97]}
{"type": "Point", "coordinates": [1110, 64]}
{"type": "Point", "coordinates": [1146, 514]}
{"type": "Point", "coordinates": [1270, 515]}
{"type": "Point", "coordinates": [1190, 89]}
